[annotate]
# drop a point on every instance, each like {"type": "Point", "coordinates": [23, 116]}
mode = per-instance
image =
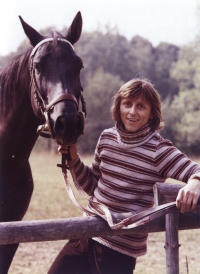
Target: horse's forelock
{"type": "Point", "coordinates": [54, 47]}
{"type": "Point", "coordinates": [55, 35]}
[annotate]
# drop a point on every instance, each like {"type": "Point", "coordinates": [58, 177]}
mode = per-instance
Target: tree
{"type": "Point", "coordinates": [110, 60]}
{"type": "Point", "coordinates": [141, 58]}
{"type": "Point", "coordinates": [99, 92]}
{"type": "Point", "coordinates": [165, 56]}
{"type": "Point", "coordinates": [182, 116]}
{"type": "Point", "coordinates": [108, 51]}
{"type": "Point", "coordinates": [186, 125]}
{"type": "Point", "coordinates": [185, 69]}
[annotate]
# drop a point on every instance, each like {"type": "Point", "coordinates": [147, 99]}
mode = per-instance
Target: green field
{"type": "Point", "coordinates": [50, 200]}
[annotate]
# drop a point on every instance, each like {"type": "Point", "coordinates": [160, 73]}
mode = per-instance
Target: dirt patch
{"type": "Point", "coordinates": [35, 258]}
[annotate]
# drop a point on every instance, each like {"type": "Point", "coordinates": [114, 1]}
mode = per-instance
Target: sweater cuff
{"type": "Point", "coordinates": [195, 176]}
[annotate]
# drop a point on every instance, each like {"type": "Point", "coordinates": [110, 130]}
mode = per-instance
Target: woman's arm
{"type": "Point", "coordinates": [172, 163]}
{"type": "Point", "coordinates": [86, 176]}
{"type": "Point", "coordinates": [188, 195]}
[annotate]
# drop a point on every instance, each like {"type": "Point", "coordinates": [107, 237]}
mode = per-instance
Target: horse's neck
{"type": "Point", "coordinates": [14, 82]}
{"type": "Point", "coordinates": [18, 137]}
{"type": "Point", "coordinates": [18, 123]}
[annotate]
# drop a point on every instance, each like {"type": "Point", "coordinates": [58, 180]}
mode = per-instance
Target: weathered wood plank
{"type": "Point", "coordinates": [166, 193]}
{"type": "Point", "coordinates": [61, 229]}
{"type": "Point", "coordinates": [171, 243]}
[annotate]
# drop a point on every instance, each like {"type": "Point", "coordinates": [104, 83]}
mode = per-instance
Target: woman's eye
{"type": "Point", "coordinates": [127, 104]}
{"type": "Point", "coordinates": [141, 106]}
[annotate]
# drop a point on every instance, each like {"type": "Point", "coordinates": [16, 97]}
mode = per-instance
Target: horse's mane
{"type": "Point", "coordinates": [9, 80]}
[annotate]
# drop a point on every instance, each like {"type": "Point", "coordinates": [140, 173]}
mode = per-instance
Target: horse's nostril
{"type": "Point", "coordinates": [78, 121]}
{"type": "Point", "coordinates": [68, 128]}
{"type": "Point", "coordinates": [60, 125]}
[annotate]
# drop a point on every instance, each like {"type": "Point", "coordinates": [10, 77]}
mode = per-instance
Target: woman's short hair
{"type": "Point", "coordinates": [139, 87]}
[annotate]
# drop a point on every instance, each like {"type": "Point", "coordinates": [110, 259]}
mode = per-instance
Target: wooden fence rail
{"type": "Point", "coordinates": [60, 229]}
{"type": "Point", "coordinates": [70, 228]}
{"type": "Point", "coordinates": [165, 193]}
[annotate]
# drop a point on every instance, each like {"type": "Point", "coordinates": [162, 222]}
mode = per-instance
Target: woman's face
{"type": "Point", "coordinates": [134, 113]}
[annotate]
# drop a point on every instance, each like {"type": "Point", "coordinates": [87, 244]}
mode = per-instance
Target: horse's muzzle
{"type": "Point", "coordinates": [68, 127]}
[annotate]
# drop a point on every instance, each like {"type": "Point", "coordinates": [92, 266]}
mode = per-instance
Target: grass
{"type": "Point", "coordinates": [50, 201]}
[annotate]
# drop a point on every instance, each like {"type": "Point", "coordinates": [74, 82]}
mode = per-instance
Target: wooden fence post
{"type": "Point", "coordinates": [171, 243]}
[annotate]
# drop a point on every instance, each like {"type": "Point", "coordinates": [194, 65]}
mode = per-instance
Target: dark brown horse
{"type": "Point", "coordinates": [41, 86]}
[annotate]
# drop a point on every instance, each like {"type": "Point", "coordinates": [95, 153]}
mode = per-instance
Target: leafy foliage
{"type": "Point", "coordinates": [110, 60]}
{"type": "Point", "coordinates": [183, 115]}
{"type": "Point", "coordinates": [99, 92]}
{"type": "Point", "coordinates": [166, 55]}
{"type": "Point", "coordinates": [183, 121]}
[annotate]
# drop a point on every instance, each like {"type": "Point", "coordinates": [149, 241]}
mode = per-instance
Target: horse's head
{"type": "Point", "coordinates": [55, 82]}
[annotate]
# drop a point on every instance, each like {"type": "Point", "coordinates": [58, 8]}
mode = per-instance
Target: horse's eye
{"type": "Point", "coordinates": [37, 68]}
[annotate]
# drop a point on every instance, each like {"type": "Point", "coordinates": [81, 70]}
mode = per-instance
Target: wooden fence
{"type": "Point", "coordinates": [61, 229]}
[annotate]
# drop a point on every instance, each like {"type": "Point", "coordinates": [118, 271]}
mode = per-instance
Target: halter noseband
{"type": "Point", "coordinates": [42, 109]}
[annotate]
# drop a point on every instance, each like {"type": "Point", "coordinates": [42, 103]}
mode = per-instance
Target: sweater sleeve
{"type": "Point", "coordinates": [88, 176]}
{"type": "Point", "coordinates": [172, 163]}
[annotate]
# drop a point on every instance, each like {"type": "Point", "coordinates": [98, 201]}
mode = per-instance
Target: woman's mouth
{"type": "Point", "coordinates": [132, 120]}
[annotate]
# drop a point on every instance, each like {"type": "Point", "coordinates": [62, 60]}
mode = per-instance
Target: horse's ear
{"type": "Point", "coordinates": [74, 31]}
{"type": "Point", "coordinates": [31, 33]}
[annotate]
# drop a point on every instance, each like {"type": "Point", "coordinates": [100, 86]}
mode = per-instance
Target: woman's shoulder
{"type": "Point", "coordinates": [109, 131]}
{"type": "Point", "coordinates": [108, 135]}
{"type": "Point", "coordinates": [157, 146]}
{"type": "Point", "coordinates": [158, 142]}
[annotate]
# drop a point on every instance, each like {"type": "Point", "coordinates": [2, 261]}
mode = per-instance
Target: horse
{"type": "Point", "coordinates": [40, 92]}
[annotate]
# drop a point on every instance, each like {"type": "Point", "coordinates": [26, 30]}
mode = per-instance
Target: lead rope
{"type": "Point", "coordinates": [96, 208]}
{"type": "Point", "coordinates": [65, 160]}
{"type": "Point", "coordinates": [101, 210]}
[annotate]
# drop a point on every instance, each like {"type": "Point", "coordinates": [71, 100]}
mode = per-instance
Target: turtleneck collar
{"type": "Point", "coordinates": [134, 138]}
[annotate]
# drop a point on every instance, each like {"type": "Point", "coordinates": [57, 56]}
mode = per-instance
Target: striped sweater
{"type": "Point", "coordinates": [124, 170]}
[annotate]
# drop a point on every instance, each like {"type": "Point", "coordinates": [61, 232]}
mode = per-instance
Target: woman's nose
{"type": "Point", "coordinates": [133, 110]}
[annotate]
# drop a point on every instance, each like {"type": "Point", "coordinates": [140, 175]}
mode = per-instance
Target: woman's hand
{"type": "Point", "coordinates": [188, 196]}
{"type": "Point", "coordinates": [71, 149]}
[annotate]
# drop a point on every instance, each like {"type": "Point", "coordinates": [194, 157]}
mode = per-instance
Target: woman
{"type": "Point", "coordinates": [129, 159]}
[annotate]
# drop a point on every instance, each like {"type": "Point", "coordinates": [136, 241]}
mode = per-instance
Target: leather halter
{"type": "Point", "coordinates": [40, 108]}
